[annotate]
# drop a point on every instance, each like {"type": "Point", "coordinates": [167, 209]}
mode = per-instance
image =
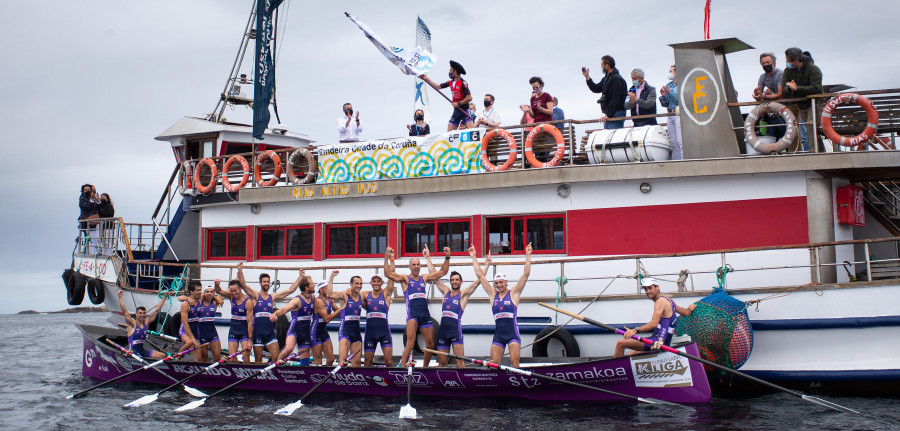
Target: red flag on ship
{"type": "Point", "coordinates": [706, 21]}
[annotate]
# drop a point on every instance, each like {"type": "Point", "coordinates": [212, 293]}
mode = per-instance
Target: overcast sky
{"type": "Point", "coordinates": [89, 84]}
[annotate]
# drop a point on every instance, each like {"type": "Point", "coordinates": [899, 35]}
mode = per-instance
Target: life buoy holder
{"type": "Point", "coordinates": [539, 349]}
{"type": "Point", "coordinates": [213, 172]}
{"type": "Point", "coordinates": [257, 170]}
{"type": "Point", "coordinates": [310, 160]}
{"type": "Point", "coordinates": [245, 168]}
{"type": "Point", "coordinates": [770, 108]}
{"type": "Point", "coordinates": [560, 146]}
{"type": "Point", "coordinates": [95, 291]}
{"type": "Point", "coordinates": [186, 176]}
{"type": "Point", "coordinates": [502, 133]}
{"type": "Point", "coordinates": [859, 140]}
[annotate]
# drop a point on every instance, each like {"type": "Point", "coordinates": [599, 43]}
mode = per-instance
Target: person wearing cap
{"type": "Point", "coordinates": [461, 96]}
{"type": "Point", "coordinates": [417, 316]}
{"type": "Point", "coordinates": [662, 323]}
{"type": "Point", "coordinates": [325, 311]}
{"type": "Point", "coordinates": [505, 305]}
{"type": "Point", "coordinates": [377, 302]}
{"type": "Point", "coordinates": [452, 307]}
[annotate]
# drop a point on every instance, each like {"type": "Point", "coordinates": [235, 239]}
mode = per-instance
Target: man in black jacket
{"type": "Point", "coordinates": [612, 88]}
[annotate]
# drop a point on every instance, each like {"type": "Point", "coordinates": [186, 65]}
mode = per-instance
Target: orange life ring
{"type": "Point", "coordinates": [245, 167]}
{"type": "Point", "coordinates": [311, 161]}
{"type": "Point", "coordinates": [490, 167]}
{"type": "Point", "coordinates": [871, 119]}
{"type": "Point", "coordinates": [208, 188]}
{"type": "Point", "coordinates": [560, 146]}
{"type": "Point", "coordinates": [257, 171]}
{"type": "Point", "coordinates": [186, 175]}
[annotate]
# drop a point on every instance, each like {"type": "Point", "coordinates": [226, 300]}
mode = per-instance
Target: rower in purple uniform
{"type": "Point", "coordinates": [189, 317]}
{"type": "Point", "coordinates": [349, 337]}
{"type": "Point", "coordinates": [300, 332]}
{"type": "Point", "coordinates": [240, 333]}
{"type": "Point", "coordinates": [207, 336]}
{"type": "Point", "coordinates": [263, 329]}
{"type": "Point", "coordinates": [377, 302]}
{"type": "Point", "coordinates": [417, 316]}
{"type": "Point", "coordinates": [325, 312]}
{"type": "Point", "coordinates": [662, 322]}
{"type": "Point", "coordinates": [137, 327]}
{"type": "Point", "coordinates": [452, 307]}
{"type": "Point", "coordinates": [505, 304]}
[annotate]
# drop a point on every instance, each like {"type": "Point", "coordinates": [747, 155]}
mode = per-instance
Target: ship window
{"type": "Point", "coordinates": [227, 244]}
{"type": "Point", "coordinates": [510, 235]}
{"type": "Point", "coordinates": [285, 242]}
{"type": "Point", "coordinates": [357, 240]}
{"type": "Point", "coordinates": [436, 234]}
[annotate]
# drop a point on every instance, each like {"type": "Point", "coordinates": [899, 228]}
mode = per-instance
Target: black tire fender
{"type": "Point", "coordinates": [96, 291]}
{"type": "Point", "coordinates": [539, 349]}
{"type": "Point", "coordinates": [75, 289]}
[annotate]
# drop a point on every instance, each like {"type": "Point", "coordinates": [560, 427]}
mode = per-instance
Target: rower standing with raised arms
{"type": "Point", "coordinates": [505, 304]}
{"type": "Point", "coordinates": [240, 333]}
{"type": "Point", "coordinates": [263, 329]}
{"type": "Point", "coordinates": [207, 335]}
{"type": "Point", "coordinates": [452, 307]}
{"type": "Point", "coordinates": [417, 315]}
{"type": "Point", "coordinates": [189, 317]}
{"type": "Point", "coordinates": [137, 327]}
{"type": "Point", "coordinates": [325, 312]}
{"type": "Point", "coordinates": [300, 333]}
{"type": "Point", "coordinates": [377, 302]}
{"type": "Point", "coordinates": [349, 336]}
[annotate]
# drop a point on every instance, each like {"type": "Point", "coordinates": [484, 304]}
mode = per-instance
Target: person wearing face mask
{"type": "Point", "coordinates": [87, 204]}
{"type": "Point", "coordinates": [668, 98]}
{"type": "Point", "coordinates": [641, 99]}
{"type": "Point", "coordinates": [489, 116]}
{"type": "Point", "coordinates": [348, 126]}
{"type": "Point", "coordinates": [419, 128]}
{"type": "Point", "coordinates": [106, 210]}
{"type": "Point", "coordinates": [612, 88]}
{"type": "Point", "coordinates": [801, 79]}
{"type": "Point", "coordinates": [541, 104]}
{"type": "Point", "coordinates": [769, 88]}
{"type": "Point", "coordinates": [461, 96]}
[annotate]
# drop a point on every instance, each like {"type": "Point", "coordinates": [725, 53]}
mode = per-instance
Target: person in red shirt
{"type": "Point", "coordinates": [461, 96]}
{"type": "Point", "coordinates": [541, 105]}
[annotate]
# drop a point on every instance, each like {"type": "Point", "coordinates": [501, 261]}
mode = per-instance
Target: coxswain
{"type": "Point", "coordinates": [325, 312]}
{"type": "Point", "coordinates": [505, 304]}
{"type": "Point", "coordinates": [136, 327]}
{"type": "Point", "coordinates": [417, 316]}
{"type": "Point", "coordinates": [263, 328]}
{"type": "Point", "coordinates": [349, 337]}
{"type": "Point", "coordinates": [377, 302]}
{"type": "Point", "coordinates": [240, 332]}
{"type": "Point", "coordinates": [300, 332]}
{"type": "Point", "coordinates": [452, 307]}
{"type": "Point", "coordinates": [189, 317]}
{"type": "Point", "coordinates": [662, 323]}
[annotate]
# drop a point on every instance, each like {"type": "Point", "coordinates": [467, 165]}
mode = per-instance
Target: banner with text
{"type": "Point", "coordinates": [456, 152]}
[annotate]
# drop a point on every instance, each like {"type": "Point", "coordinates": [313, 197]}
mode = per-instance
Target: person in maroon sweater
{"type": "Point", "coordinates": [541, 105]}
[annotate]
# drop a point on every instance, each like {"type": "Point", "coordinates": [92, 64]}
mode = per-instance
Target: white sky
{"type": "Point", "coordinates": [89, 84]}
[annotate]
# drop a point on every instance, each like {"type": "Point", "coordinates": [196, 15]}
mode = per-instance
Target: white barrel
{"type": "Point", "coordinates": [644, 144]}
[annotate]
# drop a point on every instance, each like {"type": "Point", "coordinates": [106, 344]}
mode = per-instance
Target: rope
{"type": "Point", "coordinates": [721, 272]}
{"type": "Point", "coordinates": [175, 286]}
{"type": "Point", "coordinates": [756, 302]}
{"type": "Point", "coordinates": [564, 280]}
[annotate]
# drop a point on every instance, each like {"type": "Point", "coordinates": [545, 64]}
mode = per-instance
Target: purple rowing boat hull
{"type": "Point", "coordinates": [663, 376]}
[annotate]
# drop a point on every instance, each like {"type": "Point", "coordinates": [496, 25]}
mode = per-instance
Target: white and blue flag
{"type": "Point", "coordinates": [423, 39]}
{"type": "Point", "coordinates": [411, 62]}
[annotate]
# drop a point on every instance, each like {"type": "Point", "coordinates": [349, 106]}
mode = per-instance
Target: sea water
{"type": "Point", "coordinates": [41, 364]}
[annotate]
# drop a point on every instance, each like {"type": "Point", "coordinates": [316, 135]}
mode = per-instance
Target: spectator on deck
{"type": "Point", "coordinates": [612, 88]}
{"type": "Point", "coordinates": [641, 99]}
{"type": "Point", "coordinates": [348, 126]}
{"type": "Point", "coordinates": [489, 116]}
{"type": "Point", "coordinates": [87, 204]}
{"type": "Point", "coordinates": [541, 104]}
{"type": "Point", "coordinates": [558, 114]}
{"type": "Point", "coordinates": [769, 88]}
{"type": "Point", "coordinates": [801, 78]}
{"type": "Point", "coordinates": [420, 127]}
{"type": "Point", "coordinates": [668, 98]}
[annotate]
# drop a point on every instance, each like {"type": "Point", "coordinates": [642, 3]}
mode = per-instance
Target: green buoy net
{"type": "Point", "coordinates": [720, 326]}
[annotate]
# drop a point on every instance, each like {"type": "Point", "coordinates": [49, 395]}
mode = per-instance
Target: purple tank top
{"type": "Point", "coordinates": [329, 308]}
{"type": "Point", "coordinates": [666, 326]}
{"type": "Point", "coordinates": [350, 313]}
{"type": "Point", "coordinates": [239, 311]}
{"type": "Point", "coordinates": [504, 310]}
{"type": "Point", "coordinates": [451, 310]}
{"type": "Point", "coordinates": [263, 308]}
{"type": "Point", "coordinates": [305, 313]}
{"type": "Point", "coordinates": [376, 307]}
{"type": "Point", "coordinates": [138, 336]}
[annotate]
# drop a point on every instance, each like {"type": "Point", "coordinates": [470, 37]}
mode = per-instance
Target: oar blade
{"type": "Point", "coordinates": [191, 405]}
{"type": "Point", "coordinates": [195, 392]}
{"type": "Point", "coordinates": [656, 401]}
{"type": "Point", "coordinates": [290, 408]}
{"type": "Point", "coordinates": [142, 401]}
{"type": "Point", "coordinates": [408, 412]}
{"type": "Point", "coordinates": [829, 404]}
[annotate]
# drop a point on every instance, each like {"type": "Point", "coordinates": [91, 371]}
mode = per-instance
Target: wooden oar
{"type": "Point", "coordinates": [188, 389]}
{"type": "Point", "coordinates": [147, 399]}
{"type": "Point", "coordinates": [551, 378]}
{"type": "Point", "coordinates": [194, 404]}
{"type": "Point", "coordinates": [663, 347]}
{"type": "Point", "coordinates": [407, 411]}
{"type": "Point", "coordinates": [135, 371]}
{"type": "Point", "coordinates": [290, 408]}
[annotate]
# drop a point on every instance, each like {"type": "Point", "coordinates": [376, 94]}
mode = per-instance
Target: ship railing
{"type": "Point", "coordinates": [162, 215]}
{"type": "Point", "coordinates": [776, 268]}
{"type": "Point", "coordinates": [847, 120]}
{"type": "Point", "coordinates": [105, 237]}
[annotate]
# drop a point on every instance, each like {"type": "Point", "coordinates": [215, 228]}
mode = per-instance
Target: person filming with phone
{"type": "Point", "coordinates": [348, 125]}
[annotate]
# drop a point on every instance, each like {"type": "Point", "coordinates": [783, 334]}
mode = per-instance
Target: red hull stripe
{"type": "Point", "coordinates": [688, 227]}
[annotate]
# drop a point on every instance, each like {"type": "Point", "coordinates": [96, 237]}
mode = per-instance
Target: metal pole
{"type": "Point", "coordinates": [562, 276]}
{"type": "Point", "coordinates": [814, 139]}
{"type": "Point", "coordinates": [818, 267]}
{"type": "Point", "coordinates": [571, 144]}
{"type": "Point", "coordinates": [868, 262]}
